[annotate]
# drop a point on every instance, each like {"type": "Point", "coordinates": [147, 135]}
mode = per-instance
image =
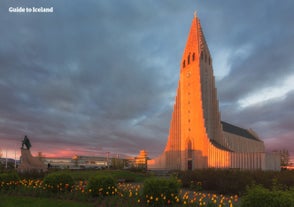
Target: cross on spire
{"type": "Point", "coordinates": [195, 14]}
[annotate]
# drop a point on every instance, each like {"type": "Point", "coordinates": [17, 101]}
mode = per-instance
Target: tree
{"type": "Point", "coordinates": [285, 158]}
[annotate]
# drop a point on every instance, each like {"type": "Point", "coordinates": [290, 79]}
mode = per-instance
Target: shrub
{"type": "Point", "coordinates": [258, 196]}
{"type": "Point", "coordinates": [101, 185]}
{"type": "Point", "coordinates": [9, 181]}
{"type": "Point", "coordinates": [196, 185]}
{"type": "Point", "coordinates": [217, 180]}
{"type": "Point", "coordinates": [32, 174]}
{"type": "Point", "coordinates": [161, 191]}
{"type": "Point", "coordinates": [286, 178]}
{"type": "Point", "coordinates": [58, 182]}
{"type": "Point", "coordinates": [263, 178]}
{"type": "Point", "coordinates": [127, 176]}
{"type": "Point", "coordinates": [7, 177]}
{"type": "Point", "coordinates": [234, 181]}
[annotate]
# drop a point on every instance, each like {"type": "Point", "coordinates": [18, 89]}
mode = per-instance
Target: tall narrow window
{"type": "Point", "coordinates": [188, 59]}
{"type": "Point", "coordinates": [184, 63]}
{"type": "Point", "coordinates": [193, 57]}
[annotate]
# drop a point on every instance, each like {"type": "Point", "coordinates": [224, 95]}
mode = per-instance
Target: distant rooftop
{"type": "Point", "coordinates": [238, 131]}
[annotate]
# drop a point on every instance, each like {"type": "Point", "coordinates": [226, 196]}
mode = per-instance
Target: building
{"type": "Point", "coordinates": [88, 162]}
{"type": "Point", "coordinates": [77, 162]}
{"type": "Point", "coordinates": [197, 137]}
{"type": "Point", "coordinates": [141, 160]}
{"type": "Point", "coordinates": [8, 163]}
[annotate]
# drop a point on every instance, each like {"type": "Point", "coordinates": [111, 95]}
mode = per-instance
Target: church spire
{"type": "Point", "coordinates": [196, 42]}
{"type": "Point", "coordinates": [195, 14]}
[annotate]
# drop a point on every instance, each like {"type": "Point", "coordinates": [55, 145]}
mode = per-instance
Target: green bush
{"type": "Point", "coordinates": [286, 178]}
{"type": "Point", "coordinates": [234, 181]}
{"type": "Point", "coordinates": [161, 191]}
{"type": "Point", "coordinates": [125, 175]}
{"type": "Point", "coordinates": [258, 196]}
{"type": "Point", "coordinates": [133, 176]}
{"type": "Point", "coordinates": [217, 180]}
{"type": "Point", "coordinates": [7, 177]}
{"type": "Point", "coordinates": [32, 174]}
{"type": "Point", "coordinates": [263, 178]}
{"type": "Point", "coordinates": [9, 181]}
{"type": "Point", "coordinates": [101, 185]}
{"type": "Point", "coordinates": [58, 182]}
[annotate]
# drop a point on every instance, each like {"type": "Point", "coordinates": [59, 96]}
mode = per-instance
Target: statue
{"type": "Point", "coordinates": [29, 163]}
{"type": "Point", "coordinates": [26, 142]}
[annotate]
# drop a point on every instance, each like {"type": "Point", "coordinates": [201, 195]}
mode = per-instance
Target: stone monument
{"type": "Point", "coordinates": [27, 161]}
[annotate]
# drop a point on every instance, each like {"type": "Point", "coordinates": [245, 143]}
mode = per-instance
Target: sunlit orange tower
{"type": "Point", "coordinates": [197, 137]}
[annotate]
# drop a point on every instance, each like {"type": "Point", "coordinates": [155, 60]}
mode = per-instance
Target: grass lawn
{"type": "Point", "coordinates": [21, 201]}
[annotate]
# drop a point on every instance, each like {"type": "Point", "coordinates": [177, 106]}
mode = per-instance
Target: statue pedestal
{"type": "Point", "coordinates": [30, 163]}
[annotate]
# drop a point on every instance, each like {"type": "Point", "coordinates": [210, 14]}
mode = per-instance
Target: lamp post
{"type": "Point", "coordinates": [15, 159]}
{"type": "Point", "coordinates": [108, 159]}
{"type": "Point", "coordinates": [6, 160]}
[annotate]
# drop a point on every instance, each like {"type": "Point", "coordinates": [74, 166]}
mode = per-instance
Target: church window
{"type": "Point", "coordinates": [188, 59]}
{"type": "Point", "coordinates": [184, 63]}
{"type": "Point", "coordinates": [193, 56]}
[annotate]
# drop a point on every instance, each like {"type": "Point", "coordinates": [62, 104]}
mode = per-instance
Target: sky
{"type": "Point", "coordinates": [100, 76]}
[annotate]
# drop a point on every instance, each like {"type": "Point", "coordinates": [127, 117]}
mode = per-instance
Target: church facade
{"type": "Point", "coordinates": [197, 137]}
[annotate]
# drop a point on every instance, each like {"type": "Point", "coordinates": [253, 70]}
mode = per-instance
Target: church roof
{"type": "Point", "coordinates": [238, 131]}
{"type": "Point", "coordinates": [219, 145]}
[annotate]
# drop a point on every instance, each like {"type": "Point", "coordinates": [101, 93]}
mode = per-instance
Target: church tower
{"type": "Point", "coordinates": [197, 138]}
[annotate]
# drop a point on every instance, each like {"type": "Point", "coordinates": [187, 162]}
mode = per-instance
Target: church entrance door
{"type": "Point", "coordinates": [189, 164]}
{"type": "Point", "coordinates": [189, 153]}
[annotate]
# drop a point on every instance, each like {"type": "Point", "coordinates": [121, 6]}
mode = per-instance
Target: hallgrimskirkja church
{"type": "Point", "coordinates": [198, 138]}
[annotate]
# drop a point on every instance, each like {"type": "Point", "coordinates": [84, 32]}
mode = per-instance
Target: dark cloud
{"type": "Point", "coordinates": [272, 120]}
{"type": "Point", "coordinates": [260, 42]}
{"type": "Point", "coordinates": [101, 76]}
